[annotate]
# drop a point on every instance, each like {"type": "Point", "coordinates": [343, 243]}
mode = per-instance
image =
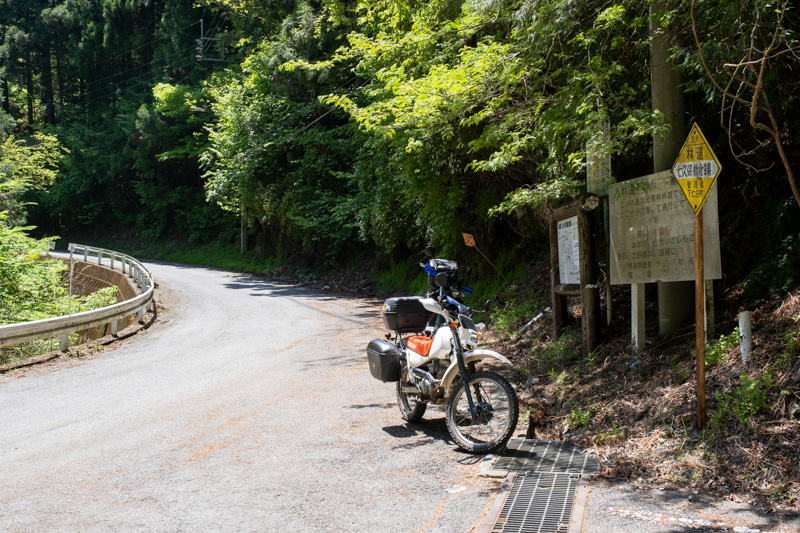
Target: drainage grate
{"type": "Point", "coordinates": [527, 455]}
{"type": "Point", "coordinates": [538, 503]}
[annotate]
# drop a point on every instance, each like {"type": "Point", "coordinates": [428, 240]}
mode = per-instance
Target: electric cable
{"type": "Point", "coordinates": [146, 44]}
{"type": "Point", "coordinates": [137, 66]}
{"type": "Point", "coordinates": [112, 86]}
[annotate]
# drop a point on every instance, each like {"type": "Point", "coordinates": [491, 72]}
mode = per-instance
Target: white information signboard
{"type": "Point", "coordinates": [651, 225]}
{"type": "Point", "coordinates": [568, 251]}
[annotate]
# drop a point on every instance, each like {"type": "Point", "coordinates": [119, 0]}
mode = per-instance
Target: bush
{"type": "Point", "coordinates": [745, 401]}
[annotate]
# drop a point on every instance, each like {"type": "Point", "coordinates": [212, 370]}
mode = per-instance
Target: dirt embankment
{"type": "Point", "coordinates": [638, 413]}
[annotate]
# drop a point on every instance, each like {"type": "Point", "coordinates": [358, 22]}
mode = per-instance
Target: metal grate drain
{"type": "Point", "coordinates": [526, 455]}
{"type": "Point", "coordinates": [538, 503]}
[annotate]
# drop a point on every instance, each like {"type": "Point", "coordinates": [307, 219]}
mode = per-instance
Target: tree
{"type": "Point", "coordinates": [753, 66]}
{"type": "Point", "coordinates": [25, 166]}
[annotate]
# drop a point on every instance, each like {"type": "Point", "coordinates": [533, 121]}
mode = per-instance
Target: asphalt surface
{"type": "Point", "coordinates": [625, 508]}
{"type": "Point", "coordinates": [246, 406]}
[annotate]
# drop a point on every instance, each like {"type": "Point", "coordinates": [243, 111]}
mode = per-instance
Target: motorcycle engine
{"type": "Point", "coordinates": [426, 383]}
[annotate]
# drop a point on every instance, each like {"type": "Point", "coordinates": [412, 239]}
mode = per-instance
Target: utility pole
{"type": "Point", "coordinates": [674, 298]}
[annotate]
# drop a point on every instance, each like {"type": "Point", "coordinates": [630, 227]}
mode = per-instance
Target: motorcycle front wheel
{"type": "Point", "coordinates": [496, 409]}
{"type": "Point", "coordinates": [411, 408]}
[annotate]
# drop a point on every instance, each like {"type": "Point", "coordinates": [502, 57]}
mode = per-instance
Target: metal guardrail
{"type": "Point", "coordinates": [64, 325]}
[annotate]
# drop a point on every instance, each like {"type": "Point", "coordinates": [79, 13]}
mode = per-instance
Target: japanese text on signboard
{"type": "Point", "coordinates": [652, 232]}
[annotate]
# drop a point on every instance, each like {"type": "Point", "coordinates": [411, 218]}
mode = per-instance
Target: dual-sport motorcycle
{"type": "Point", "coordinates": [431, 353]}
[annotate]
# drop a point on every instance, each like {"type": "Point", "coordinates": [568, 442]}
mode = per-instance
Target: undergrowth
{"type": "Point", "coordinates": [227, 257]}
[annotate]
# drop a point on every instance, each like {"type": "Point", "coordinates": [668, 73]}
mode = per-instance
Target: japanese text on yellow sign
{"type": "Point", "coordinates": [696, 168]}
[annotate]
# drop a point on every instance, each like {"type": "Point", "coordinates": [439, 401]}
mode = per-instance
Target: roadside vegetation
{"type": "Point", "coordinates": [637, 413]}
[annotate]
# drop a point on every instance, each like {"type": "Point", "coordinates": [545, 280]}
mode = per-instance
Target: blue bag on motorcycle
{"type": "Point", "coordinates": [439, 266]}
{"type": "Point", "coordinates": [384, 360]}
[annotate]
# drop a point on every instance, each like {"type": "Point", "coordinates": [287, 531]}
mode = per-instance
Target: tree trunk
{"type": "Point", "coordinates": [47, 86]}
{"type": "Point", "coordinates": [6, 100]}
{"type": "Point", "coordinates": [674, 298]}
{"type": "Point", "coordinates": [60, 81]}
{"type": "Point", "coordinates": [29, 87]}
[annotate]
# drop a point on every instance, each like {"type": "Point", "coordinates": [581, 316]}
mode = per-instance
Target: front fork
{"type": "Point", "coordinates": [465, 373]}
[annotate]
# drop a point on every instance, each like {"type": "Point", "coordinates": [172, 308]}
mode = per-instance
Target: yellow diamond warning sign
{"type": "Point", "coordinates": [696, 168]}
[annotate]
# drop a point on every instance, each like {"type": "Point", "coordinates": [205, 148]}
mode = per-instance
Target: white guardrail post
{"type": "Point", "coordinates": [64, 325]}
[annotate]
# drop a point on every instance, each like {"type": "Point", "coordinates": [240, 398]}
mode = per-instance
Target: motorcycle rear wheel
{"type": "Point", "coordinates": [497, 413]}
{"type": "Point", "coordinates": [411, 408]}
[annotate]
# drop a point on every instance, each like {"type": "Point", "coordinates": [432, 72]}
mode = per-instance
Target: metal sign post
{"type": "Point", "coordinates": [696, 170]}
{"type": "Point", "coordinates": [469, 240]}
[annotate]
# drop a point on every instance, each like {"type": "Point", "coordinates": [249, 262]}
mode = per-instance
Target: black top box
{"type": "Point", "coordinates": [404, 314]}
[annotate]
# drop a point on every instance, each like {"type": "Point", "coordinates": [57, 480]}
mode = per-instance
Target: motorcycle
{"type": "Point", "coordinates": [431, 353]}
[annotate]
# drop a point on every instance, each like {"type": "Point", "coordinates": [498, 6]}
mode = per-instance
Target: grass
{"type": "Point", "coordinates": [227, 257]}
{"type": "Point", "coordinates": [402, 276]}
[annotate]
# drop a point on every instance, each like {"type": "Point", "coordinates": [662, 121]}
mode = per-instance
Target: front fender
{"type": "Point", "coordinates": [469, 357]}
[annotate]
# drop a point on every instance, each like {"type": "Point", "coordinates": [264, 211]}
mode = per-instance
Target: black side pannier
{"type": "Point", "coordinates": [404, 314]}
{"type": "Point", "coordinates": [384, 360]}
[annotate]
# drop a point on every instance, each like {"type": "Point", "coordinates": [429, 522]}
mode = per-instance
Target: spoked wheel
{"type": "Point", "coordinates": [496, 408]}
{"type": "Point", "coordinates": [408, 399]}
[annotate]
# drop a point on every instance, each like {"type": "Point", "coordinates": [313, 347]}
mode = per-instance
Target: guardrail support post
{"type": "Point", "coordinates": [99, 257]}
{"type": "Point", "coordinates": [64, 343]}
{"type": "Point", "coordinates": [84, 256]}
{"type": "Point", "coordinates": [114, 327]}
{"type": "Point", "coordinates": [140, 316]}
{"type": "Point", "coordinates": [112, 261]}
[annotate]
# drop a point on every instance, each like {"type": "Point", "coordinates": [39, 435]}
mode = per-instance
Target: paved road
{"type": "Point", "coordinates": [247, 406]}
{"type": "Point", "coordinates": [624, 508]}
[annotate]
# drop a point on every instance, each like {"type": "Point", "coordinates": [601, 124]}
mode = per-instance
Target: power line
{"type": "Point", "coordinates": [106, 91]}
{"type": "Point", "coordinates": [137, 67]}
{"type": "Point", "coordinates": [144, 45]}
{"type": "Point", "coordinates": [110, 89]}
{"type": "Point", "coordinates": [150, 75]}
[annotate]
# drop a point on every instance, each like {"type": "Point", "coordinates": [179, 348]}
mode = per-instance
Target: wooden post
{"type": "Point", "coordinates": [585, 287]}
{"type": "Point", "coordinates": [699, 295]}
{"type": "Point", "coordinates": [590, 291]}
{"type": "Point", "coordinates": [711, 328]}
{"type": "Point", "coordinates": [606, 233]}
{"type": "Point", "coordinates": [243, 233]}
{"type": "Point", "coordinates": [637, 317]}
{"type": "Point", "coordinates": [559, 304]}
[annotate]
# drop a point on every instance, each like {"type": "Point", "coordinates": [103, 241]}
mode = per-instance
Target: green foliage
{"type": "Point", "coordinates": [616, 432]}
{"type": "Point", "coordinates": [25, 164]}
{"type": "Point", "coordinates": [563, 350]}
{"type": "Point", "coordinates": [267, 164]}
{"type": "Point", "coordinates": [31, 286]}
{"type": "Point", "coordinates": [512, 314]}
{"type": "Point", "coordinates": [777, 273]}
{"type": "Point", "coordinates": [581, 417]}
{"type": "Point", "coordinates": [791, 349]}
{"type": "Point", "coordinates": [219, 255]}
{"type": "Point", "coordinates": [339, 126]}
{"type": "Point", "coordinates": [403, 276]}
{"type": "Point", "coordinates": [743, 402]}
{"type": "Point", "coordinates": [717, 352]}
